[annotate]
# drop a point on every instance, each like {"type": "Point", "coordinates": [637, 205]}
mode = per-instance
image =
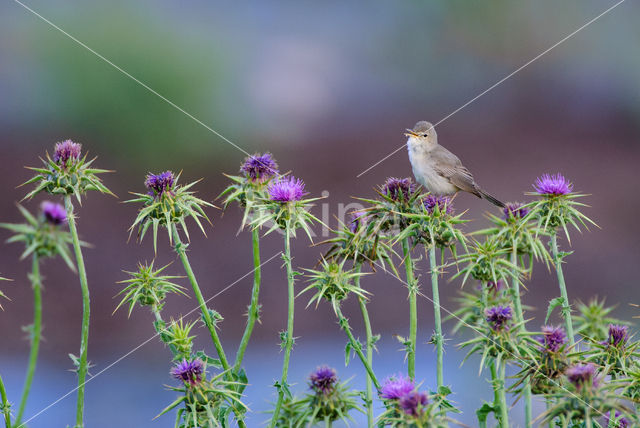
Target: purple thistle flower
{"type": "Point", "coordinates": [582, 374]}
{"type": "Point", "coordinates": [553, 185]}
{"type": "Point", "coordinates": [618, 335]}
{"type": "Point", "coordinates": [259, 168]}
{"type": "Point", "coordinates": [443, 203]}
{"type": "Point", "coordinates": [498, 316]}
{"type": "Point", "coordinates": [413, 402]}
{"type": "Point", "coordinates": [357, 219]}
{"type": "Point", "coordinates": [189, 371]}
{"type": "Point", "coordinates": [323, 379]}
{"type": "Point", "coordinates": [398, 189]}
{"type": "Point", "coordinates": [552, 338]}
{"type": "Point", "coordinates": [53, 213]}
{"type": "Point", "coordinates": [620, 421]}
{"type": "Point", "coordinates": [396, 387]}
{"type": "Point", "coordinates": [494, 287]}
{"type": "Point", "coordinates": [286, 189]}
{"type": "Point", "coordinates": [159, 183]}
{"type": "Point", "coordinates": [66, 152]}
{"type": "Point", "coordinates": [515, 210]}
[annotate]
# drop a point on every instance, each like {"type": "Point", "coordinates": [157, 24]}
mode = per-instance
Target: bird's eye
{"type": "Point", "coordinates": [425, 135]}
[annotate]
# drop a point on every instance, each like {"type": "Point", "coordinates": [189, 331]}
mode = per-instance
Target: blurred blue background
{"type": "Point", "coordinates": [328, 88]}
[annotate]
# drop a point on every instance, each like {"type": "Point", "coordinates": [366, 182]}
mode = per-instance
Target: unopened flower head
{"type": "Point", "coordinates": [582, 374]}
{"type": "Point", "coordinates": [66, 152]}
{"type": "Point", "coordinates": [618, 335]}
{"type": "Point", "coordinates": [620, 421]}
{"type": "Point", "coordinates": [259, 168]}
{"type": "Point", "coordinates": [396, 387]}
{"type": "Point", "coordinates": [398, 189]}
{"type": "Point", "coordinates": [286, 189]}
{"type": "Point", "coordinates": [444, 204]}
{"type": "Point", "coordinates": [53, 213]}
{"type": "Point", "coordinates": [413, 402]}
{"type": "Point", "coordinates": [552, 338]}
{"type": "Point", "coordinates": [189, 371]}
{"type": "Point", "coordinates": [158, 184]}
{"type": "Point", "coordinates": [553, 185]}
{"type": "Point", "coordinates": [322, 380]}
{"type": "Point", "coordinates": [498, 316]}
{"type": "Point", "coordinates": [515, 210]}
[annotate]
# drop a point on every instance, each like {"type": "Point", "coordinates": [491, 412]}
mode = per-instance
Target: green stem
{"type": "Point", "coordinates": [160, 321]}
{"type": "Point", "coordinates": [36, 334]}
{"type": "Point", "coordinates": [84, 341]}
{"type": "Point", "coordinates": [355, 345]}
{"type": "Point", "coordinates": [496, 392]}
{"type": "Point", "coordinates": [289, 335]}
{"type": "Point", "coordinates": [413, 309]}
{"type": "Point", "coordinates": [6, 406]}
{"type": "Point", "coordinates": [369, 337]}
{"type": "Point", "coordinates": [436, 313]}
{"type": "Point", "coordinates": [566, 308]}
{"type": "Point", "coordinates": [180, 248]}
{"type": "Point", "coordinates": [504, 410]}
{"type": "Point", "coordinates": [520, 319]}
{"type": "Point", "coordinates": [587, 417]}
{"type": "Point", "coordinates": [254, 309]}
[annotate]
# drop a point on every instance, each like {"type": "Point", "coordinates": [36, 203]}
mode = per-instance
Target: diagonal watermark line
{"type": "Point", "coordinates": [499, 82]}
{"type": "Point", "coordinates": [23, 424]}
{"type": "Point", "coordinates": [144, 85]}
{"type": "Point", "coordinates": [511, 354]}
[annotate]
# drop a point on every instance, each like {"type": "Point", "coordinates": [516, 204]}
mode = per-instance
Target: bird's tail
{"type": "Point", "coordinates": [491, 199]}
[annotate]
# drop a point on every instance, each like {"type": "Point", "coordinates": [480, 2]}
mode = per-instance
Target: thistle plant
{"type": "Point", "coordinates": [148, 287]}
{"type": "Point", "coordinates": [397, 198]}
{"type": "Point", "coordinates": [169, 204]}
{"type": "Point", "coordinates": [593, 319]}
{"type": "Point", "coordinates": [42, 237]}
{"type": "Point", "coordinates": [70, 174]}
{"type": "Point", "coordinates": [557, 208]}
{"type": "Point", "coordinates": [355, 242]}
{"type": "Point", "coordinates": [549, 362]}
{"type": "Point", "coordinates": [248, 190]}
{"type": "Point", "coordinates": [434, 225]}
{"type": "Point", "coordinates": [515, 232]}
{"type": "Point", "coordinates": [584, 398]}
{"type": "Point", "coordinates": [203, 401]}
{"type": "Point", "coordinates": [286, 209]}
{"type": "Point", "coordinates": [334, 283]}
{"type": "Point", "coordinates": [406, 406]}
{"type": "Point", "coordinates": [329, 400]}
{"type": "Point", "coordinates": [618, 353]}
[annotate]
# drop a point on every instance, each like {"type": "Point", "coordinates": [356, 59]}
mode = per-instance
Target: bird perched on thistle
{"type": "Point", "coordinates": [436, 168]}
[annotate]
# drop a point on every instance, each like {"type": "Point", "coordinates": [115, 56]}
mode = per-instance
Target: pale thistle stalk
{"type": "Point", "coordinates": [288, 342]}
{"type": "Point", "coordinates": [413, 309]}
{"type": "Point", "coordinates": [82, 361]}
{"type": "Point", "coordinates": [36, 334]}
{"type": "Point", "coordinates": [369, 344]}
{"type": "Point", "coordinates": [566, 307]}
{"type": "Point", "coordinates": [439, 340]}
{"type": "Point", "coordinates": [520, 320]}
{"type": "Point", "coordinates": [254, 308]}
{"type": "Point", "coordinates": [206, 314]}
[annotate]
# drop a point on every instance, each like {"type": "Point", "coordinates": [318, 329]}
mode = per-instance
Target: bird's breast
{"type": "Point", "coordinates": [426, 175]}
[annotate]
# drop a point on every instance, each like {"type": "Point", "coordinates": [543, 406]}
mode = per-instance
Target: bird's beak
{"type": "Point", "coordinates": [410, 133]}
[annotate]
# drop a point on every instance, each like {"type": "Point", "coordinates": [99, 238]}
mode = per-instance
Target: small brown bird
{"type": "Point", "coordinates": [436, 168]}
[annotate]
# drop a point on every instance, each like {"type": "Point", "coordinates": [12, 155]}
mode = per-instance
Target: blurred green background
{"type": "Point", "coordinates": [328, 88]}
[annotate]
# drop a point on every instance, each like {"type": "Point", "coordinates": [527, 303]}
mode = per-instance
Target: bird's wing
{"type": "Point", "coordinates": [449, 166]}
